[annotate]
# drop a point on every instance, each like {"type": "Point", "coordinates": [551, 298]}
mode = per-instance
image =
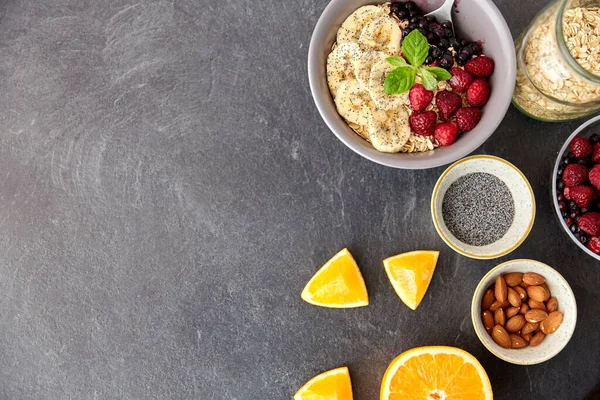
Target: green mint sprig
{"type": "Point", "coordinates": [415, 48]}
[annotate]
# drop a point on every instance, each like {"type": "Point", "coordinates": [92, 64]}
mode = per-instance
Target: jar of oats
{"type": "Point", "coordinates": [558, 62]}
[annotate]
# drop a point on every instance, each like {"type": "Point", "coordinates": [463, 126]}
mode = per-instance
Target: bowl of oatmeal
{"type": "Point", "coordinates": [406, 90]}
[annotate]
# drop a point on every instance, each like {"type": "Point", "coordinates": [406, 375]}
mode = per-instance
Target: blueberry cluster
{"type": "Point", "coordinates": [440, 36]}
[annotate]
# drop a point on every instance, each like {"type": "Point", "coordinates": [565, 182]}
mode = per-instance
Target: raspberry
{"type": "Point", "coordinates": [423, 123]}
{"type": "Point", "coordinates": [582, 195]}
{"type": "Point", "coordinates": [481, 66]}
{"type": "Point", "coordinates": [596, 153]}
{"type": "Point", "coordinates": [567, 193]}
{"type": "Point", "coordinates": [478, 93]}
{"type": "Point", "coordinates": [419, 97]}
{"type": "Point", "coordinates": [581, 147]}
{"type": "Point", "coordinates": [467, 118]}
{"type": "Point", "coordinates": [594, 245]}
{"type": "Point", "coordinates": [447, 102]}
{"type": "Point", "coordinates": [461, 80]}
{"type": "Point", "coordinates": [595, 176]}
{"type": "Point", "coordinates": [590, 223]}
{"type": "Point", "coordinates": [446, 133]}
{"type": "Point", "coordinates": [574, 175]}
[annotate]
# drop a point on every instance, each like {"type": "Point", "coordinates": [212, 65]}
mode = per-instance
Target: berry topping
{"type": "Point", "coordinates": [479, 93]}
{"type": "Point", "coordinates": [461, 80]}
{"type": "Point", "coordinates": [423, 123]}
{"type": "Point", "coordinates": [595, 176]}
{"type": "Point", "coordinates": [567, 193]}
{"type": "Point", "coordinates": [468, 118]}
{"type": "Point", "coordinates": [582, 195]}
{"type": "Point", "coordinates": [594, 245]}
{"type": "Point", "coordinates": [596, 153]}
{"type": "Point", "coordinates": [446, 133]}
{"type": "Point", "coordinates": [447, 103]}
{"type": "Point", "coordinates": [419, 97]}
{"type": "Point", "coordinates": [581, 147]}
{"type": "Point", "coordinates": [590, 223]}
{"type": "Point", "coordinates": [481, 66]}
{"type": "Point", "coordinates": [575, 175]}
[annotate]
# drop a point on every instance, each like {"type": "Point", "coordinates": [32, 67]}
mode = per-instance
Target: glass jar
{"type": "Point", "coordinates": [558, 62]}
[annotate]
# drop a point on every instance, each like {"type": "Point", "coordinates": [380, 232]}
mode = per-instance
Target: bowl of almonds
{"type": "Point", "coordinates": [524, 312]}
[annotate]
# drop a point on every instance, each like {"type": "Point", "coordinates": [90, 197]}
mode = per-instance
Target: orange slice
{"type": "Point", "coordinates": [435, 373]}
{"type": "Point", "coordinates": [410, 274]}
{"type": "Point", "coordinates": [338, 284]}
{"type": "Point", "coordinates": [331, 385]}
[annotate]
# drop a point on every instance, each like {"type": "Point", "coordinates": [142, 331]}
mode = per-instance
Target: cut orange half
{"type": "Point", "coordinates": [436, 373]}
{"type": "Point", "coordinates": [331, 385]}
{"type": "Point", "coordinates": [410, 274]}
{"type": "Point", "coordinates": [338, 284]}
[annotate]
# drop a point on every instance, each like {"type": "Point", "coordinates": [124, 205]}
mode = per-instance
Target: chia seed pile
{"type": "Point", "coordinates": [478, 209]}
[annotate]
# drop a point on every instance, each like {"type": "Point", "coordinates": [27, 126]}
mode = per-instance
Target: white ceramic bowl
{"type": "Point", "coordinates": [477, 20]}
{"type": "Point", "coordinates": [522, 195]}
{"type": "Point", "coordinates": [552, 344]}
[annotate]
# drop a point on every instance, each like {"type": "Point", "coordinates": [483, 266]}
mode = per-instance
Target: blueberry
{"type": "Point", "coordinates": [564, 214]}
{"type": "Point", "coordinates": [414, 14]}
{"type": "Point", "coordinates": [411, 6]}
{"type": "Point", "coordinates": [573, 206]}
{"type": "Point", "coordinates": [429, 60]}
{"type": "Point", "coordinates": [446, 24]}
{"type": "Point", "coordinates": [476, 48]}
{"type": "Point", "coordinates": [560, 171]}
{"type": "Point", "coordinates": [414, 20]}
{"type": "Point", "coordinates": [447, 33]}
{"type": "Point", "coordinates": [562, 206]}
{"type": "Point", "coordinates": [595, 138]}
{"type": "Point", "coordinates": [444, 44]}
{"type": "Point", "coordinates": [454, 43]}
{"type": "Point", "coordinates": [430, 18]}
{"type": "Point", "coordinates": [585, 210]}
{"type": "Point", "coordinates": [464, 42]}
{"type": "Point", "coordinates": [412, 26]}
{"type": "Point", "coordinates": [467, 51]}
{"type": "Point", "coordinates": [583, 239]}
{"type": "Point", "coordinates": [583, 161]}
{"type": "Point", "coordinates": [560, 197]}
{"type": "Point", "coordinates": [560, 185]}
{"type": "Point", "coordinates": [423, 31]}
{"type": "Point", "coordinates": [430, 37]}
{"type": "Point", "coordinates": [406, 31]}
{"type": "Point", "coordinates": [397, 6]}
{"type": "Point", "coordinates": [447, 61]}
{"type": "Point", "coordinates": [570, 160]}
{"type": "Point", "coordinates": [402, 14]}
{"type": "Point", "coordinates": [573, 215]}
{"type": "Point", "coordinates": [423, 23]}
{"type": "Point", "coordinates": [574, 228]}
{"type": "Point", "coordinates": [435, 52]}
{"type": "Point", "coordinates": [462, 59]}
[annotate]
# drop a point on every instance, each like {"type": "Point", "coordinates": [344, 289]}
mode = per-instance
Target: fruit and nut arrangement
{"type": "Point", "coordinates": [519, 310]}
{"type": "Point", "coordinates": [405, 82]}
{"type": "Point", "coordinates": [578, 189]}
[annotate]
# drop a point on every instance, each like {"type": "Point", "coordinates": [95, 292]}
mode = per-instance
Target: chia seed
{"type": "Point", "coordinates": [478, 209]}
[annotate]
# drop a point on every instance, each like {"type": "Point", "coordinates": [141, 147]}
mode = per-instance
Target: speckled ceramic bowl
{"type": "Point", "coordinates": [553, 343]}
{"type": "Point", "coordinates": [476, 19]}
{"type": "Point", "coordinates": [586, 129]}
{"type": "Point", "coordinates": [522, 195]}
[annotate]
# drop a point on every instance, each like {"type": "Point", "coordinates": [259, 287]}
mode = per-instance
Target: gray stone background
{"type": "Point", "coordinates": [167, 187]}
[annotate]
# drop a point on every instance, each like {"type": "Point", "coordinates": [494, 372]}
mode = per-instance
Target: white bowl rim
{"type": "Point", "coordinates": [561, 153]}
{"type": "Point", "coordinates": [416, 163]}
{"type": "Point", "coordinates": [476, 310]}
{"type": "Point", "coordinates": [434, 197]}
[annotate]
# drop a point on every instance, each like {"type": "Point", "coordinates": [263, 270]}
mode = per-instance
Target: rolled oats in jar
{"type": "Point", "coordinates": [558, 67]}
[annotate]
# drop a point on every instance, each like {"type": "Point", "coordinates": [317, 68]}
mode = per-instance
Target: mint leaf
{"type": "Point", "coordinates": [415, 48]}
{"type": "Point", "coordinates": [428, 79]}
{"type": "Point", "coordinates": [440, 73]}
{"type": "Point", "coordinates": [399, 80]}
{"type": "Point", "coordinates": [397, 61]}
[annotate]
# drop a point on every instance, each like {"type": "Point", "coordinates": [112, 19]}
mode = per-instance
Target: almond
{"type": "Point", "coordinates": [537, 339]}
{"type": "Point", "coordinates": [501, 337]}
{"type": "Point", "coordinates": [515, 323]}
{"type": "Point", "coordinates": [531, 278]}
{"type": "Point", "coordinates": [551, 324]}
{"type": "Point", "coordinates": [513, 298]}
{"type": "Point", "coordinates": [546, 287]}
{"type": "Point", "coordinates": [522, 292]}
{"type": "Point", "coordinates": [488, 299]}
{"type": "Point", "coordinates": [500, 289]}
{"type": "Point", "coordinates": [538, 293]}
{"type": "Point", "coordinates": [499, 317]}
{"type": "Point", "coordinates": [524, 308]}
{"type": "Point", "coordinates": [534, 304]}
{"type": "Point", "coordinates": [498, 304]}
{"type": "Point", "coordinates": [517, 342]}
{"type": "Point", "coordinates": [513, 278]}
{"type": "Point", "coordinates": [526, 336]}
{"type": "Point", "coordinates": [488, 320]}
{"type": "Point", "coordinates": [552, 304]}
{"type": "Point", "coordinates": [536, 315]}
{"type": "Point", "coordinates": [511, 312]}
{"type": "Point", "coordinates": [529, 327]}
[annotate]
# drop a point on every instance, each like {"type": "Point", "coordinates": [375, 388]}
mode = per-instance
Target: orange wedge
{"type": "Point", "coordinates": [410, 274]}
{"type": "Point", "coordinates": [331, 385]}
{"type": "Point", "coordinates": [436, 372]}
{"type": "Point", "coordinates": [338, 284]}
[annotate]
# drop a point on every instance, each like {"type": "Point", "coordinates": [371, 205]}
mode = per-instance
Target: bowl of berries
{"type": "Point", "coordinates": [576, 187]}
{"type": "Point", "coordinates": [406, 90]}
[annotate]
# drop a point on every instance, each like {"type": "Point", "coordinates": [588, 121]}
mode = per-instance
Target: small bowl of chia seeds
{"type": "Point", "coordinates": [483, 207]}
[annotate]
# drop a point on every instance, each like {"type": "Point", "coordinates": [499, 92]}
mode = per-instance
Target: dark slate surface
{"type": "Point", "coordinates": [167, 187]}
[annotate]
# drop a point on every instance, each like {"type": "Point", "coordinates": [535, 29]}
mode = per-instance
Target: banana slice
{"type": "Point", "coordinates": [389, 130]}
{"type": "Point", "coordinates": [353, 102]}
{"type": "Point", "coordinates": [364, 64]}
{"type": "Point", "coordinates": [382, 34]}
{"type": "Point", "coordinates": [354, 24]}
{"type": "Point", "coordinates": [383, 100]}
{"type": "Point", "coordinates": [340, 65]}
